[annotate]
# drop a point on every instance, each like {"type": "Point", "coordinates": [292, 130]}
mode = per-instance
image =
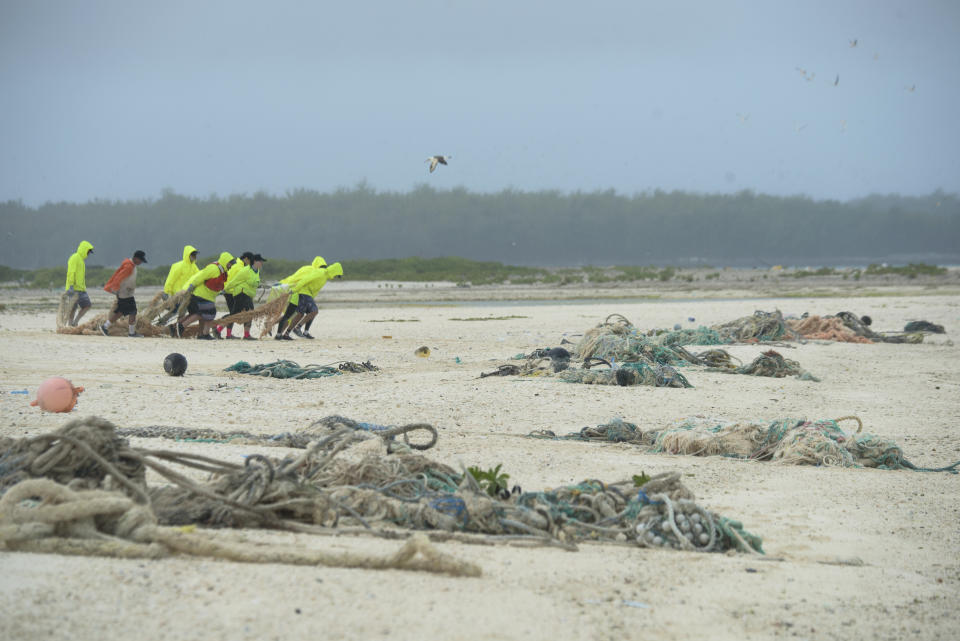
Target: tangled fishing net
{"type": "Point", "coordinates": [145, 317]}
{"type": "Point", "coordinates": [290, 369]}
{"type": "Point", "coordinates": [87, 466]}
{"type": "Point", "coordinates": [633, 357]}
{"type": "Point", "coordinates": [789, 441]}
{"type": "Point", "coordinates": [152, 320]}
{"type": "Point", "coordinates": [828, 328]}
{"type": "Point", "coordinates": [770, 363]}
{"type": "Point", "coordinates": [924, 326]}
{"type": "Point", "coordinates": [296, 440]}
{"type": "Point", "coordinates": [640, 372]}
{"type": "Point", "coordinates": [848, 327]}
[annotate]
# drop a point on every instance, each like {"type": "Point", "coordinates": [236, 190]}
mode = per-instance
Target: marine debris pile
{"type": "Point", "coordinates": [616, 352]}
{"type": "Point", "coordinates": [291, 369]}
{"type": "Point", "coordinates": [848, 327]}
{"type": "Point", "coordinates": [83, 490]}
{"type": "Point", "coordinates": [786, 440]}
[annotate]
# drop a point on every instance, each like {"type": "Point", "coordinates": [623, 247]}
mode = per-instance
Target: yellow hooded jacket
{"type": "Point", "coordinates": [312, 282]}
{"type": "Point", "coordinates": [318, 263]}
{"type": "Point", "coordinates": [213, 270]}
{"type": "Point", "coordinates": [232, 273]}
{"type": "Point", "coordinates": [245, 281]}
{"type": "Point", "coordinates": [77, 268]}
{"type": "Point", "coordinates": [181, 272]}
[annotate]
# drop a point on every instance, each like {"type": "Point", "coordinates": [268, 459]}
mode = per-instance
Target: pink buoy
{"type": "Point", "coordinates": [56, 394]}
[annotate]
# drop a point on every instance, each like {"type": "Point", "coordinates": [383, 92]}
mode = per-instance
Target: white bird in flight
{"type": "Point", "coordinates": [853, 43]}
{"type": "Point", "coordinates": [437, 160]}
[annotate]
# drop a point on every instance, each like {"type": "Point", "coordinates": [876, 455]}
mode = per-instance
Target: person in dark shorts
{"type": "Point", "coordinates": [243, 287]}
{"type": "Point", "coordinates": [228, 292]}
{"type": "Point", "coordinates": [204, 287]}
{"type": "Point", "coordinates": [305, 288]}
{"type": "Point", "coordinates": [122, 285]}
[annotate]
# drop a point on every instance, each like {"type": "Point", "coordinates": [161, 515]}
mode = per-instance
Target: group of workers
{"type": "Point", "coordinates": [237, 279]}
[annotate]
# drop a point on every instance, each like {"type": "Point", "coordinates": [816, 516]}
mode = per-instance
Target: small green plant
{"type": "Point", "coordinates": [639, 480]}
{"type": "Point", "coordinates": [492, 481]}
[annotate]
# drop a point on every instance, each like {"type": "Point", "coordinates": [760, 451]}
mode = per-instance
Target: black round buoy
{"type": "Point", "coordinates": [175, 364]}
{"type": "Point", "coordinates": [558, 353]}
{"type": "Point", "coordinates": [626, 377]}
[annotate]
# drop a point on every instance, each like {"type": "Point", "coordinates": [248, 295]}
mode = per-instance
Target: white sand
{"type": "Point", "coordinates": [902, 525]}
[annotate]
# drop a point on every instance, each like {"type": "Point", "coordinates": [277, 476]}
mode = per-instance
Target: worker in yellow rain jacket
{"type": "Point", "coordinates": [204, 287]}
{"type": "Point", "coordinates": [180, 272]}
{"type": "Point", "coordinates": [318, 263]}
{"type": "Point", "coordinates": [286, 285]}
{"type": "Point", "coordinates": [306, 288]}
{"type": "Point", "coordinates": [242, 287]}
{"type": "Point", "coordinates": [245, 259]}
{"type": "Point", "coordinates": [77, 281]}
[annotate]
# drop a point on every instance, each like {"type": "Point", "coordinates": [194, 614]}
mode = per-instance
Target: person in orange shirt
{"type": "Point", "coordinates": [122, 285]}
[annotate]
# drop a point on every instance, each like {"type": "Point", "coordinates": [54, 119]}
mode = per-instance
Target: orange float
{"type": "Point", "coordinates": [56, 394]}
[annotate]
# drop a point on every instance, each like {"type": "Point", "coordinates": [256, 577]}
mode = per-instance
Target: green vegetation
{"type": "Point", "coordinates": [910, 271]}
{"type": "Point", "coordinates": [96, 276]}
{"type": "Point", "coordinates": [806, 273]}
{"type": "Point", "coordinates": [492, 481]}
{"type": "Point", "coordinates": [362, 226]}
{"type": "Point", "coordinates": [460, 270]}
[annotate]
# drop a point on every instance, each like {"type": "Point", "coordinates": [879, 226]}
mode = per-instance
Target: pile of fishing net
{"type": "Point", "coordinates": [759, 327]}
{"type": "Point", "coordinates": [788, 440]}
{"type": "Point", "coordinates": [615, 352]}
{"type": "Point", "coordinates": [291, 369]}
{"type": "Point", "coordinates": [848, 327]}
{"type": "Point", "coordinates": [827, 328]}
{"type": "Point", "coordinates": [617, 339]}
{"type": "Point", "coordinates": [329, 487]}
{"type": "Point", "coordinates": [595, 371]}
{"type": "Point", "coordinates": [638, 372]}
{"type": "Point", "coordinates": [152, 320]}
{"type": "Point", "coordinates": [924, 326]}
{"type": "Point", "coordinates": [770, 363]}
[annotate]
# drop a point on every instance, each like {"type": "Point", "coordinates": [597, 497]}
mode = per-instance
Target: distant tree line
{"type": "Point", "coordinates": [545, 228]}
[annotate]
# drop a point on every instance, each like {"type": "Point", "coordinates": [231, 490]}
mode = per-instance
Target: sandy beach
{"type": "Point", "coordinates": [850, 553]}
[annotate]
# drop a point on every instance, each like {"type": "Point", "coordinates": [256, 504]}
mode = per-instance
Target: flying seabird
{"type": "Point", "coordinates": [853, 43]}
{"type": "Point", "coordinates": [837, 81]}
{"type": "Point", "coordinates": [437, 160]}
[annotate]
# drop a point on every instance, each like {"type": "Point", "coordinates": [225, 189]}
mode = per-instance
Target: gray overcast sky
{"type": "Point", "coordinates": [122, 99]}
